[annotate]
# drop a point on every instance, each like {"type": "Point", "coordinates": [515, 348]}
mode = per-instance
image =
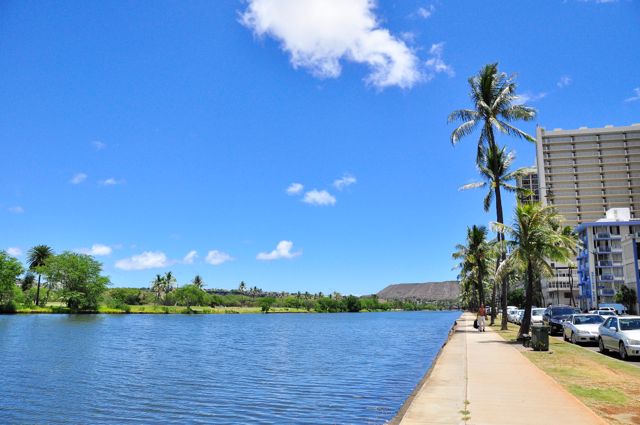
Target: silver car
{"type": "Point", "coordinates": [582, 328]}
{"type": "Point", "coordinates": [621, 334]}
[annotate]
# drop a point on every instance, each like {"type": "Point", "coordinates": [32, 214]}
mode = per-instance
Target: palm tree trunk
{"type": "Point", "coordinates": [38, 292]}
{"type": "Point", "coordinates": [528, 301]}
{"type": "Point", "coordinates": [505, 282]}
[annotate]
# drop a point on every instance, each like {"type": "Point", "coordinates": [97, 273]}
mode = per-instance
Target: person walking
{"type": "Point", "coordinates": [481, 318]}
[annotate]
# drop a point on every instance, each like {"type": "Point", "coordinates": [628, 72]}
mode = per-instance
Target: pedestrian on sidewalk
{"type": "Point", "coordinates": [481, 317]}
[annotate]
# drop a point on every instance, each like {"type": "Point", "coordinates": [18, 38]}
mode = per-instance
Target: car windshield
{"type": "Point", "coordinates": [537, 312]}
{"type": "Point", "coordinates": [562, 311]}
{"type": "Point", "coordinates": [606, 313]}
{"type": "Point", "coordinates": [588, 320]}
{"type": "Point", "coordinates": [629, 324]}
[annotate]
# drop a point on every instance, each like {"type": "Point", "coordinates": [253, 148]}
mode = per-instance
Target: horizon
{"type": "Point", "coordinates": [226, 140]}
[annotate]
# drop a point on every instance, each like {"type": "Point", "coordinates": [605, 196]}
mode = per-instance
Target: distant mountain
{"type": "Point", "coordinates": [429, 291]}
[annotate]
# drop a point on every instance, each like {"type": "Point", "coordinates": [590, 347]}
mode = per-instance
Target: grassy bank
{"type": "Point", "coordinates": [610, 387]}
{"type": "Point", "coordinates": [160, 309]}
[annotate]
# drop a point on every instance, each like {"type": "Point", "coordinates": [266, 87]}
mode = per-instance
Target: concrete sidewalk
{"type": "Point", "coordinates": [499, 383]}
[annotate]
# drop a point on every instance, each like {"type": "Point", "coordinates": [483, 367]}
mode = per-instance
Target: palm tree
{"type": "Point", "coordinates": [169, 282]}
{"type": "Point", "coordinates": [474, 258]}
{"type": "Point", "coordinates": [494, 168]}
{"type": "Point", "coordinates": [36, 257]}
{"type": "Point", "coordinates": [197, 281]}
{"type": "Point", "coordinates": [495, 107]}
{"type": "Point", "coordinates": [536, 239]}
{"type": "Point", "coordinates": [242, 287]}
{"type": "Point", "coordinates": [157, 286]}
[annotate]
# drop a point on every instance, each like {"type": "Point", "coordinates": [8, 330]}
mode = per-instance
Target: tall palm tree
{"type": "Point", "coordinates": [536, 238]}
{"type": "Point", "coordinates": [157, 286]}
{"type": "Point", "coordinates": [494, 168]}
{"type": "Point", "coordinates": [197, 281]}
{"type": "Point", "coordinates": [36, 257]}
{"type": "Point", "coordinates": [495, 106]}
{"type": "Point", "coordinates": [242, 287]}
{"type": "Point", "coordinates": [474, 258]}
{"type": "Point", "coordinates": [169, 282]}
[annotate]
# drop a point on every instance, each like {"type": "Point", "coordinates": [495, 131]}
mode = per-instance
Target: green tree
{"type": "Point", "coordinates": [242, 287]}
{"type": "Point", "coordinates": [190, 295]}
{"type": "Point", "coordinates": [495, 107]}
{"type": "Point", "coordinates": [10, 269]}
{"type": "Point", "coordinates": [266, 303]}
{"type": "Point", "coordinates": [536, 238]}
{"type": "Point", "coordinates": [27, 281]}
{"type": "Point", "coordinates": [494, 168]}
{"type": "Point", "coordinates": [474, 258]}
{"type": "Point", "coordinates": [157, 286]}
{"type": "Point", "coordinates": [197, 281]}
{"type": "Point", "coordinates": [352, 304]}
{"type": "Point", "coordinates": [80, 278]}
{"type": "Point", "coordinates": [36, 258]}
{"type": "Point", "coordinates": [628, 298]}
{"type": "Point", "coordinates": [169, 282]}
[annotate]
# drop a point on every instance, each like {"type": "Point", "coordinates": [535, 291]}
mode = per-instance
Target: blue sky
{"type": "Point", "coordinates": [142, 132]}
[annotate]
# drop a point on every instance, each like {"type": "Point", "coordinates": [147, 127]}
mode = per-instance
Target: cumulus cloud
{"type": "Point", "coordinates": [14, 251]}
{"type": "Point", "coordinates": [295, 189]}
{"type": "Point", "coordinates": [216, 257]}
{"type": "Point", "coordinates": [78, 178]}
{"type": "Point", "coordinates": [146, 260]}
{"type": "Point", "coordinates": [96, 249]}
{"type": "Point", "coordinates": [283, 250]}
{"type": "Point", "coordinates": [99, 145]}
{"type": "Point", "coordinates": [346, 180]}
{"type": "Point", "coordinates": [319, 34]}
{"type": "Point", "coordinates": [190, 257]}
{"type": "Point", "coordinates": [636, 95]}
{"type": "Point", "coordinates": [564, 81]}
{"type": "Point", "coordinates": [425, 12]}
{"type": "Point", "coordinates": [435, 64]}
{"type": "Point", "coordinates": [529, 97]}
{"type": "Point", "coordinates": [319, 197]}
{"type": "Point", "coordinates": [111, 181]}
{"type": "Point", "coordinates": [16, 209]}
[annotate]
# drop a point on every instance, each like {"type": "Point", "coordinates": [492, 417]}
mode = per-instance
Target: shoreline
{"type": "Point", "coordinates": [397, 419]}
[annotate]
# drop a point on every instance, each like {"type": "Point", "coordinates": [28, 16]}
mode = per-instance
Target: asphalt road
{"type": "Point", "coordinates": [635, 361]}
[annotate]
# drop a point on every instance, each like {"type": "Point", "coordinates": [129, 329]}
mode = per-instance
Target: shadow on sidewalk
{"type": "Point", "coordinates": [500, 342]}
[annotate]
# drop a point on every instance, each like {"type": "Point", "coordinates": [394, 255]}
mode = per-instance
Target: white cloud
{"type": "Point", "coordinates": [16, 209]}
{"type": "Point", "coordinates": [529, 97]}
{"type": "Point", "coordinates": [99, 145]}
{"type": "Point", "coordinates": [319, 197]}
{"type": "Point", "coordinates": [111, 181]}
{"type": "Point", "coordinates": [426, 12]}
{"type": "Point", "coordinates": [283, 250]}
{"type": "Point", "coordinates": [190, 257]}
{"type": "Point", "coordinates": [216, 257]}
{"type": "Point", "coordinates": [346, 180]}
{"type": "Point", "coordinates": [78, 178]}
{"type": "Point", "coordinates": [564, 81]}
{"type": "Point", "coordinates": [146, 260]}
{"type": "Point", "coordinates": [14, 251]}
{"type": "Point", "coordinates": [636, 95]}
{"type": "Point", "coordinates": [96, 249]}
{"type": "Point", "coordinates": [295, 189]}
{"type": "Point", "coordinates": [319, 34]}
{"type": "Point", "coordinates": [435, 64]}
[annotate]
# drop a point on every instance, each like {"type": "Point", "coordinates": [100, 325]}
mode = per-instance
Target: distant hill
{"type": "Point", "coordinates": [429, 291]}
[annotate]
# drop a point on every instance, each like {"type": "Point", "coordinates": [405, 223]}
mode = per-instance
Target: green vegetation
{"type": "Point", "coordinates": [610, 387]}
{"type": "Point", "coordinates": [10, 269]}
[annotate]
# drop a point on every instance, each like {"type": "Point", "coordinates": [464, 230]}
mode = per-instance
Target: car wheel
{"type": "Point", "coordinates": [622, 351]}
{"type": "Point", "coordinates": [574, 339]}
{"type": "Point", "coordinates": [564, 335]}
{"type": "Point", "coordinates": [601, 347]}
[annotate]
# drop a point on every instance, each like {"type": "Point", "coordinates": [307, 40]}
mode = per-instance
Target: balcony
{"type": "Point", "coordinates": [603, 235]}
{"type": "Point", "coordinates": [609, 263]}
{"type": "Point", "coordinates": [606, 278]}
{"type": "Point", "coordinates": [603, 249]}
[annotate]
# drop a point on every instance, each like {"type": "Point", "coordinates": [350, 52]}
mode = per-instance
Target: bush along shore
{"type": "Point", "coordinates": [73, 283]}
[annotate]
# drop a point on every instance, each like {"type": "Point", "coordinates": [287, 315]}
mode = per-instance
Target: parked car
{"type": "Point", "coordinates": [582, 328]}
{"type": "Point", "coordinates": [605, 313]}
{"type": "Point", "coordinates": [518, 316]}
{"type": "Point", "coordinates": [621, 334]}
{"type": "Point", "coordinates": [619, 309]}
{"type": "Point", "coordinates": [510, 311]}
{"type": "Point", "coordinates": [555, 315]}
{"type": "Point", "coordinates": [536, 315]}
{"type": "Point", "coordinates": [515, 314]}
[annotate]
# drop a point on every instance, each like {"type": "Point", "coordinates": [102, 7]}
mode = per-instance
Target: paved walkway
{"type": "Point", "coordinates": [500, 384]}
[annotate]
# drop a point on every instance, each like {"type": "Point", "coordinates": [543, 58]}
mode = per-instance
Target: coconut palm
{"type": "Point", "coordinates": [536, 238]}
{"type": "Point", "coordinates": [494, 168]}
{"type": "Point", "coordinates": [157, 286]}
{"type": "Point", "coordinates": [169, 282]}
{"type": "Point", "coordinates": [494, 107]}
{"type": "Point", "coordinates": [242, 287]}
{"type": "Point", "coordinates": [36, 257]}
{"type": "Point", "coordinates": [197, 281]}
{"type": "Point", "coordinates": [474, 258]}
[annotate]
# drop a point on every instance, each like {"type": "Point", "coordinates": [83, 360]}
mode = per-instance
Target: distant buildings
{"type": "Point", "coordinates": [583, 173]}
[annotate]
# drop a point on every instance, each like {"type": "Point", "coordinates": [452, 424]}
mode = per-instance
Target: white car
{"type": "Point", "coordinates": [621, 334]}
{"type": "Point", "coordinates": [605, 313]}
{"type": "Point", "coordinates": [510, 312]}
{"type": "Point", "coordinates": [582, 328]}
{"type": "Point", "coordinates": [536, 315]}
{"type": "Point", "coordinates": [514, 315]}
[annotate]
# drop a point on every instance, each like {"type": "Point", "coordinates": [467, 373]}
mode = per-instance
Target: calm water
{"type": "Point", "coordinates": [227, 369]}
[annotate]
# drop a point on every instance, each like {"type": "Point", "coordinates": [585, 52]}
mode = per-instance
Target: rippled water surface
{"type": "Point", "coordinates": [227, 369]}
